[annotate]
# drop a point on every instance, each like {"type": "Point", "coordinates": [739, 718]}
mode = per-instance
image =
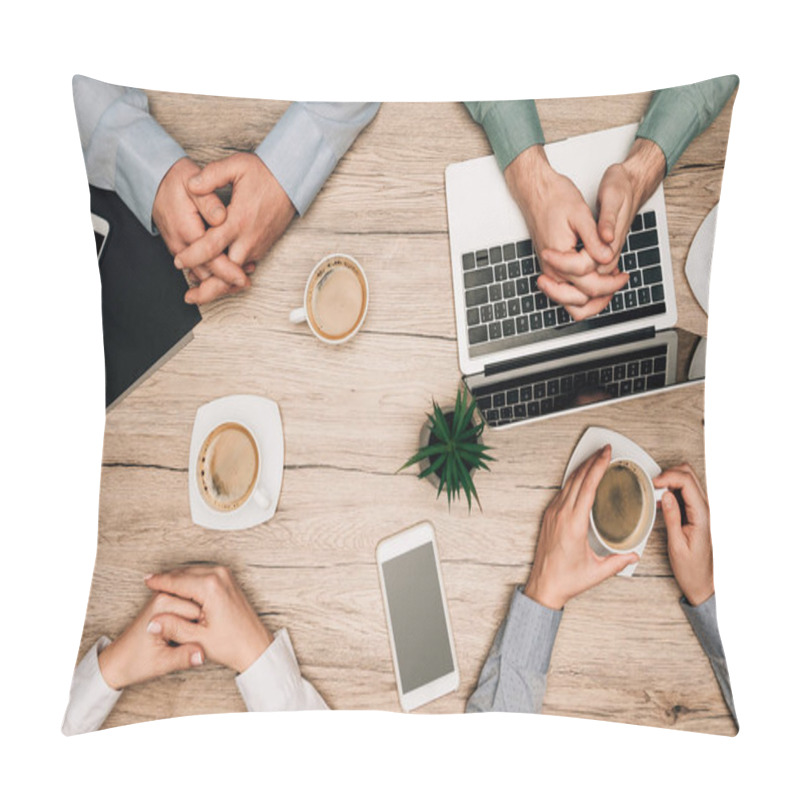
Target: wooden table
{"type": "Point", "coordinates": [352, 416]}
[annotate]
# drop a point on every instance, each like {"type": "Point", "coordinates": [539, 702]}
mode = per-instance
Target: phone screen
{"type": "Point", "coordinates": [419, 625]}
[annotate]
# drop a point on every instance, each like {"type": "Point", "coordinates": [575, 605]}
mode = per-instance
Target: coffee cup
{"type": "Point", "coordinates": [229, 469]}
{"type": "Point", "coordinates": [624, 508]}
{"type": "Point", "coordinates": [335, 300]}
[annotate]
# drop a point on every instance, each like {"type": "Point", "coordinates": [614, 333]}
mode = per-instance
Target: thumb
{"type": "Point", "coordinates": [174, 628]}
{"type": "Point", "coordinates": [672, 516]}
{"type": "Point", "coordinates": [213, 176]}
{"type": "Point", "coordinates": [612, 565]}
{"type": "Point", "coordinates": [610, 207]}
{"type": "Point", "coordinates": [184, 656]}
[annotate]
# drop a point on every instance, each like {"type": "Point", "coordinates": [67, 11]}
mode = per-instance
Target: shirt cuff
{"type": "Point", "coordinates": [530, 633]}
{"type": "Point", "coordinates": [703, 619]}
{"type": "Point", "coordinates": [273, 681]}
{"type": "Point", "coordinates": [90, 697]}
{"type": "Point", "coordinates": [511, 126]}
{"type": "Point", "coordinates": [305, 145]}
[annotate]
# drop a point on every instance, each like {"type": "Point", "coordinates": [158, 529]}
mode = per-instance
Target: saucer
{"type": "Point", "coordinates": [263, 419]}
{"type": "Point", "coordinates": [621, 447]}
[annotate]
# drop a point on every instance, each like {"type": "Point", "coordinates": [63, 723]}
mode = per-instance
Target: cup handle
{"type": "Point", "coordinates": [658, 494]}
{"type": "Point", "coordinates": [261, 497]}
{"type": "Point", "coordinates": [297, 315]}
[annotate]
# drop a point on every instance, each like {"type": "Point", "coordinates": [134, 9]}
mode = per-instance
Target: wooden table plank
{"type": "Point", "coordinates": [352, 415]}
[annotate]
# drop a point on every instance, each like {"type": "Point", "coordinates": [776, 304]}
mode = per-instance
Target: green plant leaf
{"type": "Point", "coordinates": [425, 452]}
{"type": "Point", "coordinates": [432, 467]}
{"type": "Point", "coordinates": [470, 487]}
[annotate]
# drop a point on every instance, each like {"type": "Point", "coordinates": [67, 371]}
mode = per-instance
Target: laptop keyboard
{"type": "Point", "coordinates": [505, 308]}
{"type": "Point", "coordinates": [543, 393]}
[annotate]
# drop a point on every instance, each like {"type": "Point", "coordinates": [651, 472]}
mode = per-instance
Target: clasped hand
{"type": "Point", "coordinates": [219, 246]}
{"type": "Point", "coordinates": [578, 256]}
{"type": "Point", "coordinates": [196, 613]}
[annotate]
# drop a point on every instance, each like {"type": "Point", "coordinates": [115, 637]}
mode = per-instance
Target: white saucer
{"type": "Point", "coordinates": [621, 447]}
{"type": "Point", "coordinates": [262, 417]}
{"type": "Point", "coordinates": [698, 260]}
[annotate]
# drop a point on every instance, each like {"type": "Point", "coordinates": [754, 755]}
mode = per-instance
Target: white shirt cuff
{"type": "Point", "coordinates": [90, 697]}
{"type": "Point", "coordinates": [273, 681]}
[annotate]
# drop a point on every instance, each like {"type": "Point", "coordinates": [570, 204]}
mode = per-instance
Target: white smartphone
{"type": "Point", "coordinates": [101, 229]}
{"type": "Point", "coordinates": [416, 613]}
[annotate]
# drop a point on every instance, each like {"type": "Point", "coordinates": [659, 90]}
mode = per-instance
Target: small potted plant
{"type": "Point", "coordinates": [451, 450]}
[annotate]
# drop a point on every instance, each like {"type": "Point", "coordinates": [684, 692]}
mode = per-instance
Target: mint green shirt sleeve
{"type": "Point", "coordinates": [511, 126]}
{"type": "Point", "coordinates": [675, 116]}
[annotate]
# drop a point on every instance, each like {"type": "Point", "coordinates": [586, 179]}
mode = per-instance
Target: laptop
{"type": "Point", "coordinates": [522, 356]}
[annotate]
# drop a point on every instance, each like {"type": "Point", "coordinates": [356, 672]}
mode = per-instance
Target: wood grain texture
{"type": "Point", "coordinates": [352, 415]}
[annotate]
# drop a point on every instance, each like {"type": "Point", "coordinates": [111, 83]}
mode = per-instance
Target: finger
{"type": "Point", "coordinates": [185, 656]}
{"type": "Point", "coordinates": [213, 176]}
{"type": "Point", "coordinates": [599, 250]}
{"type": "Point", "coordinates": [210, 207]}
{"type": "Point", "coordinates": [224, 268]}
{"type": "Point", "coordinates": [199, 273]}
{"type": "Point", "coordinates": [164, 603]}
{"type": "Point", "coordinates": [693, 498]}
{"type": "Point", "coordinates": [591, 308]}
{"type": "Point", "coordinates": [613, 565]}
{"type": "Point", "coordinates": [210, 289]}
{"type": "Point", "coordinates": [579, 475]}
{"type": "Point", "coordinates": [610, 207]}
{"type": "Point", "coordinates": [211, 244]}
{"type": "Point", "coordinates": [672, 518]}
{"type": "Point", "coordinates": [569, 262]}
{"type": "Point", "coordinates": [561, 292]}
{"type": "Point", "coordinates": [190, 585]}
{"type": "Point", "coordinates": [584, 497]}
{"type": "Point", "coordinates": [174, 628]}
{"type": "Point", "coordinates": [595, 285]}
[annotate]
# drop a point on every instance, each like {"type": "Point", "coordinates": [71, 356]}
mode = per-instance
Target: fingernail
{"type": "Point", "coordinates": [178, 263]}
{"type": "Point", "coordinates": [197, 659]}
{"type": "Point", "coordinates": [154, 627]}
{"type": "Point", "coordinates": [148, 576]}
{"type": "Point", "coordinates": [195, 181]}
{"type": "Point", "coordinates": [216, 212]}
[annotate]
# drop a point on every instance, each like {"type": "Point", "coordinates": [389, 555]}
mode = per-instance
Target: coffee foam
{"type": "Point", "coordinates": [227, 466]}
{"type": "Point", "coordinates": [337, 299]}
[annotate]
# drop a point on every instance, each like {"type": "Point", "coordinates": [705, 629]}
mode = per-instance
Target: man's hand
{"type": "Point", "coordinates": [557, 217]}
{"type": "Point", "coordinates": [227, 628]}
{"type": "Point", "coordinates": [623, 190]}
{"type": "Point", "coordinates": [565, 564]}
{"type": "Point", "coordinates": [689, 545]}
{"type": "Point", "coordinates": [139, 655]}
{"type": "Point", "coordinates": [180, 216]}
{"type": "Point", "coordinates": [258, 214]}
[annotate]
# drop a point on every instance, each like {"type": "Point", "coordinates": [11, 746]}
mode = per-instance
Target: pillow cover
{"type": "Point", "coordinates": [250, 465]}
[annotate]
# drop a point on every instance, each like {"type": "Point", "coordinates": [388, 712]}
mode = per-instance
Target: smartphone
{"type": "Point", "coordinates": [416, 613]}
{"type": "Point", "coordinates": [101, 229]}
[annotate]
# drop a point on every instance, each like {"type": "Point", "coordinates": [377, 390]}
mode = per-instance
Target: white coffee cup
{"type": "Point", "coordinates": [624, 510]}
{"type": "Point", "coordinates": [229, 469]}
{"type": "Point", "coordinates": [335, 299]}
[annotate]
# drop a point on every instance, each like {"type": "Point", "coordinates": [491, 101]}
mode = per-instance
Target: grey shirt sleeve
{"type": "Point", "coordinates": [703, 619]}
{"type": "Point", "coordinates": [90, 697]}
{"type": "Point", "coordinates": [514, 675]}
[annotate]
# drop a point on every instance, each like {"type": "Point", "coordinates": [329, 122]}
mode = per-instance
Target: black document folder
{"type": "Point", "coordinates": [145, 319]}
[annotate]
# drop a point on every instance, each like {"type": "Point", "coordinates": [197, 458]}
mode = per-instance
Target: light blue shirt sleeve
{"type": "Point", "coordinates": [514, 675]}
{"type": "Point", "coordinates": [124, 148]}
{"type": "Point", "coordinates": [703, 619]}
{"type": "Point", "coordinates": [676, 116]}
{"type": "Point", "coordinates": [306, 143]}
